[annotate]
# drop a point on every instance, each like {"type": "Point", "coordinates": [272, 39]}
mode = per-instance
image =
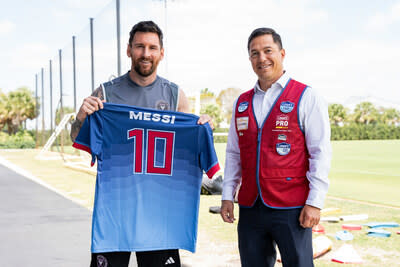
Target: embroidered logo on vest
{"type": "Point", "coordinates": [282, 137]}
{"type": "Point", "coordinates": [243, 106]}
{"type": "Point", "coordinates": [283, 148]}
{"type": "Point", "coordinates": [282, 122]}
{"type": "Point", "coordinates": [286, 106]}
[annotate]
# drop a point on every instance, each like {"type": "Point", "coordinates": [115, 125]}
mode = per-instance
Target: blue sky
{"type": "Point", "coordinates": [341, 48]}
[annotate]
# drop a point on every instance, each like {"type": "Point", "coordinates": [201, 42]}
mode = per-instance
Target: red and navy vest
{"type": "Point", "coordinates": [274, 158]}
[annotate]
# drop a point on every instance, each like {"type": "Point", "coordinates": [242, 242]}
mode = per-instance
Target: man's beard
{"type": "Point", "coordinates": [144, 73]}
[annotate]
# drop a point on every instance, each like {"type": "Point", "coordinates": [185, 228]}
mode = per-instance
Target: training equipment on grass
{"type": "Point", "coordinates": [346, 254]}
{"type": "Point", "coordinates": [57, 131]}
{"type": "Point", "coordinates": [330, 219]}
{"type": "Point", "coordinates": [319, 229]}
{"type": "Point", "coordinates": [215, 209]}
{"type": "Point", "coordinates": [212, 186]}
{"type": "Point", "coordinates": [356, 217]}
{"type": "Point", "coordinates": [344, 235]}
{"type": "Point", "coordinates": [321, 245]}
{"type": "Point", "coordinates": [328, 211]}
{"type": "Point", "coordinates": [351, 226]}
{"type": "Point", "coordinates": [378, 233]}
{"type": "Point", "coordinates": [382, 224]}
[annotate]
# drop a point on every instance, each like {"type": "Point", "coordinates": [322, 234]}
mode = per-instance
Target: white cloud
{"type": "Point", "coordinates": [382, 20]}
{"type": "Point", "coordinates": [87, 4]}
{"type": "Point", "coordinates": [350, 68]}
{"type": "Point", "coordinates": [206, 41]}
{"type": "Point", "coordinates": [6, 27]}
{"type": "Point", "coordinates": [29, 55]}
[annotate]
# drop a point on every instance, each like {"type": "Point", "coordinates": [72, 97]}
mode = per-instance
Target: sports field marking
{"type": "Point", "coordinates": [364, 202]}
{"type": "Point", "coordinates": [366, 172]}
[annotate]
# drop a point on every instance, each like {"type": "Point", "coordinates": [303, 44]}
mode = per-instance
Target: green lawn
{"type": "Point", "coordinates": [366, 170]}
{"type": "Point", "coordinates": [361, 170]}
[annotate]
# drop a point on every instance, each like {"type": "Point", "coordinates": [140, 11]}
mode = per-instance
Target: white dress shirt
{"type": "Point", "coordinates": [314, 121]}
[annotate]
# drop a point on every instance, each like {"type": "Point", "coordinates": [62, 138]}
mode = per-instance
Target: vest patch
{"type": "Point", "coordinates": [243, 106]}
{"type": "Point", "coordinates": [242, 123]}
{"type": "Point", "coordinates": [282, 137]}
{"type": "Point", "coordinates": [282, 122]}
{"type": "Point", "coordinates": [286, 106]}
{"type": "Point", "coordinates": [283, 148]}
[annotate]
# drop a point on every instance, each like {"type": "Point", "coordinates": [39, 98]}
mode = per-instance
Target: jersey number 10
{"type": "Point", "coordinates": [157, 154]}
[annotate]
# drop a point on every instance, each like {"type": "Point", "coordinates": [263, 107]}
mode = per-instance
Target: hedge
{"type": "Point", "coordinates": [20, 140]}
{"type": "Point", "coordinates": [365, 132]}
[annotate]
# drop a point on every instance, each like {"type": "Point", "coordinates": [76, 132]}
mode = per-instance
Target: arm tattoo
{"type": "Point", "coordinates": [98, 93]}
{"type": "Point", "coordinates": [75, 128]}
{"type": "Point", "coordinates": [76, 125]}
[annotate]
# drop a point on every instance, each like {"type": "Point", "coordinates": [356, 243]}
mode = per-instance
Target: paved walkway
{"type": "Point", "coordinates": [40, 228]}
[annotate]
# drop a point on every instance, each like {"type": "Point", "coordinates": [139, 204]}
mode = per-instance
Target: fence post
{"type": "Point", "coordinates": [61, 100]}
{"type": "Point", "coordinates": [118, 38]}
{"type": "Point", "coordinates": [42, 107]}
{"type": "Point", "coordinates": [37, 111]}
{"type": "Point", "coordinates": [51, 96]}
{"type": "Point", "coordinates": [91, 51]}
{"type": "Point", "coordinates": [74, 70]}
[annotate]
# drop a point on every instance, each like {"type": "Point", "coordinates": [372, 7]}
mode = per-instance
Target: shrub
{"type": "Point", "coordinates": [21, 139]}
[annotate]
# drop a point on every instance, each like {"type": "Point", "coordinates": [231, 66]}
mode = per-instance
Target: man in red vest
{"type": "Point", "coordinates": [279, 152]}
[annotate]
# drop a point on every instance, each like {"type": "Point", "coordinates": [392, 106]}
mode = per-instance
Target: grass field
{"type": "Point", "coordinates": [367, 171]}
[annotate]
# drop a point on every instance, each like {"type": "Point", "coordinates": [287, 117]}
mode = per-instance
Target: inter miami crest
{"type": "Point", "coordinates": [162, 105]}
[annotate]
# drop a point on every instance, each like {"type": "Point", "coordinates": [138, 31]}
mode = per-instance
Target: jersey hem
{"type": "Point", "coordinates": [210, 173]}
{"type": "Point", "coordinates": [102, 250]}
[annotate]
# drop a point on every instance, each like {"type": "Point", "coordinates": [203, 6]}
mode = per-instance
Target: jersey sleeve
{"type": "Point", "coordinates": [89, 138]}
{"type": "Point", "coordinates": [208, 157]}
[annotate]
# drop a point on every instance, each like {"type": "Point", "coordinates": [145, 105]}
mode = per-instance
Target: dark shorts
{"type": "Point", "coordinates": [157, 258]}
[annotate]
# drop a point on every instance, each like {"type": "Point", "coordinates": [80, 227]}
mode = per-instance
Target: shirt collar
{"type": "Point", "coordinates": [281, 83]}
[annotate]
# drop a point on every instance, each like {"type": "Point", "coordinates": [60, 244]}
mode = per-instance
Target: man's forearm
{"type": "Point", "coordinates": [77, 124]}
{"type": "Point", "coordinates": [75, 128]}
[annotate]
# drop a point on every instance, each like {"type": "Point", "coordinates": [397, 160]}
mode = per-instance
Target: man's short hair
{"type": "Point", "coordinates": [146, 26]}
{"type": "Point", "coordinates": [262, 31]}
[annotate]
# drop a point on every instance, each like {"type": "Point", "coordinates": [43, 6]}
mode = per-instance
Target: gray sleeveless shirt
{"type": "Point", "coordinates": [161, 94]}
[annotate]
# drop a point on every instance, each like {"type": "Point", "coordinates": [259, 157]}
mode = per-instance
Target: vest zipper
{"type": "Point", "coordinates": [259, 132]}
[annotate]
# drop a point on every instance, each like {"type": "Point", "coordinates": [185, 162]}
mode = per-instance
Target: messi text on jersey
{"type": "Point", "coordinates": [150, 116]}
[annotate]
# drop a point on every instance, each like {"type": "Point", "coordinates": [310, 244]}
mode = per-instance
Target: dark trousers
{"type": "Point", "coordinates": [158, 258]}
{"type": "Point", "coordinates": [261, 228]}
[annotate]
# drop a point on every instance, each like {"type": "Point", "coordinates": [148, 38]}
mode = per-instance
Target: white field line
{"type": "Point", "coordinates": [364, 202]}
{"type": "Point", "coordinates": [368, 172]}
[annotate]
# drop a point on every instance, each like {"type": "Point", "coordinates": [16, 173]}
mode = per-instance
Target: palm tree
{"type": "Point", "coordinates": [337, 114]}
{"type": "Point", "coordinates": [17, 107]}
{"type": "Point", "coordinates": [390, 116]}
{"type": "Point", "coordinates": [365, 113]}
{"type": "Point", "coordinates": [3, 110]}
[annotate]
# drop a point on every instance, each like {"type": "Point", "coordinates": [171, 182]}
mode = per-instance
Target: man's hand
{"type": "Point", "coordinates": [204, 119]}
{"type": "Point", "coordinates": [309, 216]}
{"type": "Point", "coordinates": [227, 211]}
{"type": "Point", "coordinates": [90, 104]}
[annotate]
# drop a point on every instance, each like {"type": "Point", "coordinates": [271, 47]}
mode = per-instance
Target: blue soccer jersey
{"type": "Point", "coordinates": [149, 172]}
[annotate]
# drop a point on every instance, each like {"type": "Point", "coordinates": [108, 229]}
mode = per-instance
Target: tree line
{"type": "Point", "coordinates": [365, 122]}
